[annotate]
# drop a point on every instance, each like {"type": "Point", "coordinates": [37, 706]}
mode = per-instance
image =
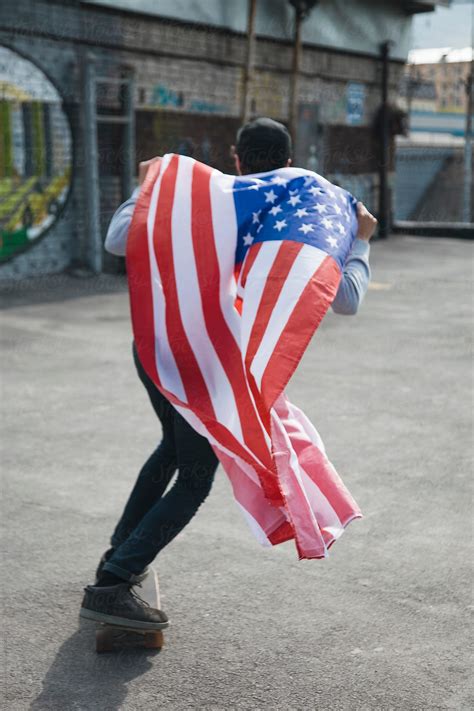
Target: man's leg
{"type": "Point", "coordinates": [157, 471]}
{"type": "Point", "coordinates": [197, 464]}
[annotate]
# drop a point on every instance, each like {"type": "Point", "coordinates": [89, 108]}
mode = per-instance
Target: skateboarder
{"type": "Point", "coordinates": [152, 518]}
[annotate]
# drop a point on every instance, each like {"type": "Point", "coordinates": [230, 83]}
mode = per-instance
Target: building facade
{"type": "Point", "coordinates": [443, 74]}
{"type": "Point", "coordinates": [87, 89]}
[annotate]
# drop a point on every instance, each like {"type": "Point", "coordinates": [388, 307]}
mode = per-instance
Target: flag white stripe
{"type": "Point", "coordinates": [197, 425]}
{"type": "Point", "coordinates": [224, 223]}
{"type": "Point", "coordinates": [304, 423]}
{"type": "Point", "coordinates": [324, 512]}
{"type": "Point", "coordinates": [326, 516]}
{"type": "Point", "coordinates": [165, 363]}
{"type": "Point", "coordinates": [254, 289]}
{"type": "Point", "coordinates": [190, 306]}
{"type": "Point", "coordinates": [292, 480]}
{"type": "Point", "coordinates": [302, 269]}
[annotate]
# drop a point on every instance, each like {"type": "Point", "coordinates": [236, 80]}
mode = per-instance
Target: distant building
{"type": "Point", "coordinates": [434, 88]}
{"type": "Point", "coordinates": [430, 161]}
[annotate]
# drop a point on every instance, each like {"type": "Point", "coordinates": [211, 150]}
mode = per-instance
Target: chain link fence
{"type": "Point", "coordinates": [430, 184]}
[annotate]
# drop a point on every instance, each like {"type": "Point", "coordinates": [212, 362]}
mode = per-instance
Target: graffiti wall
{"type": "Point", "coordinates": [35, 154]}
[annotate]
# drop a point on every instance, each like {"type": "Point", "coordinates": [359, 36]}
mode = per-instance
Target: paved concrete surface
{"type": "Point", "coordinates": [384, 624]}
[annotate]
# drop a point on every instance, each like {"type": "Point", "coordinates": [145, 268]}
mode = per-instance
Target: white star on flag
{"type": "Point", "coordinates": [308, 180]}
{"type": "Point", "coordinates": [294, 200]}
{"type": "Point", "coordinates": [331, 193]}
{"type": "Point", "coordinates": [270, 196]}
{"type": "Point", "coordinates": [337, 208]}
{"type": "Point", "coordinates": [279, 225]}
{"type": "Point", "coordinates": [327, 223]}
{"type": "Point", "coordinates": [340, 227]}
{"type": "Point", "coordinates": [278, 180]}
{"type": "Point", "coordinates": [301, 212]}
{"type": "Point", "coordinates": [258, 184]}
{"type": "Point", "coordinates": [347, 217]}
{"type": "Point", "coordinates": [275, 210]}
{"type": "Point", "coordinates": [305, 228]}
{"type": "Point", "coordinates": [320, 207]}
{"type": "Point", "coordinates": [248, 239]}
{"type": "Point", "coordinates": [256, 216]}
{"type": "Point", "coordinates": [316, 191]}
{"type": "Point", "coordinates": [332, 241]}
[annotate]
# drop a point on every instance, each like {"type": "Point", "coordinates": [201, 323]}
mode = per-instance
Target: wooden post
{"type": "Point", "coordinates": [384, 207]}
{"type": "Point", "coordinates": [249, 61]}
{"type": "Point", "coordinates": [302, 10]}
{"type": "Point", "coordinates": [295, 76]}
{"type": "Point", "coordinates": [91, 163]}
{"type": "Point", "coordinates": [467, 192]}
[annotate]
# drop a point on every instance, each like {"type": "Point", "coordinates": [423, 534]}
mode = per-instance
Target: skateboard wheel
{"type": "Point", "coordinates": [103, 642]}
{"type": "Point", "coordinates": [154, 640]}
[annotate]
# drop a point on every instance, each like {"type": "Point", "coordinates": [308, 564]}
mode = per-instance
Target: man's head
{"type": "Point", "coordinates": [262, 145]}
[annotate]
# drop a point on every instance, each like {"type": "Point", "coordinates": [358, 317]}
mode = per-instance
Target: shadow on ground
{"type": "Point", "coordinates": [80, 679]}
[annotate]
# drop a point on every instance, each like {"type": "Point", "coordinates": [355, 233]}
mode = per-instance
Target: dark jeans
{"type": "Point", "coordinates": [151, 518]}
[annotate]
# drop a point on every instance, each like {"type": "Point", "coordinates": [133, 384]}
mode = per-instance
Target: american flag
{"type": "Point", "coordinates": [229, 277]}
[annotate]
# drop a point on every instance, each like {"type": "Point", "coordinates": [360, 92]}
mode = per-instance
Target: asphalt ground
{"type": "Point", "coordinates": [383, 624]}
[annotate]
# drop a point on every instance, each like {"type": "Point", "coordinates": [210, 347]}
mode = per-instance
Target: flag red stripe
{"type": "Point", "coordinates": [250, 495]}
{"type": "Point", "coordinates": [139, 277]}
{"type": "Point", "coordinates": [193, 381]}
{"type": "Point", "coordinates": [318, 467]}
{"type": "Point", "coordinates": [283, 533]}
{"type": "Point", "coordinates": [249, 261]}
{"type": "Point", "coordinates": [315, 299]}
{"type": "Point", "coordinates": [275, 282]}
{"type": "Point", "coordinates": [222, 338]}
{"type": "Point", "coordinates": [308, 538]}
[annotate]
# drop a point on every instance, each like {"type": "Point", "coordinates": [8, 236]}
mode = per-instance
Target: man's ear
{"type": "Point", "coordinates": [288, 162]}
{"type": "Point", "coordinates": [237, 164]}
{"type": "Point", "coordinates": [233, 154]}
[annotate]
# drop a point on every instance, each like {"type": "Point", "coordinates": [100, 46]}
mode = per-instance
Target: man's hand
{"type": "Point", "coordinates": [367, 223]}
{"type": "Point", "coordinates": [143, 168]}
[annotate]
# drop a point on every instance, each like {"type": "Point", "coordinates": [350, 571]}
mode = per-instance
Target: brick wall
{"type": "Point", "coordinates": [188, 86]}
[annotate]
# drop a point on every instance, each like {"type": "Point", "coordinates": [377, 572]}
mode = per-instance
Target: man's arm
{"type": "Point", "coordinates": [116, 239]}
{"type": "Point", "coordinates": [355, 280]}
{"type": "Point", "coordinates": [356, 272]}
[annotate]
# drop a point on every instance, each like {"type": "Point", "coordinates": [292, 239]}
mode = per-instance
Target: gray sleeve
{"type": "Point", "coordinates": [116, 239]}
{"type": "Point", "coordinates": [355, 280]}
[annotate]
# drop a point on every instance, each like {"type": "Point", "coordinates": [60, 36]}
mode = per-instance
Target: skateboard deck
{"type": "Point", "coordinates": [111, 638]}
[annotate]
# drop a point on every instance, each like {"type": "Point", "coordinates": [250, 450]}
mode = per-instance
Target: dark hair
{"type": "Point", "coordinates": [262, 145]}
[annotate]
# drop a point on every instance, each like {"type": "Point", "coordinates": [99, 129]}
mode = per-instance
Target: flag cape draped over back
{"type": "Point", "coordinates": [229, 277]}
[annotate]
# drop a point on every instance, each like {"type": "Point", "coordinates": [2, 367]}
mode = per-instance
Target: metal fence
{"type": "Point", "coordinates": [430, 184]}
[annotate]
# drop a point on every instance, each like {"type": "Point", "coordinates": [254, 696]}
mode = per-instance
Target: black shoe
{"type": "Point", "coordinates": [121, 605]}
{"type": "Point", "coordinates": [108, 554]}
{"type": "Point", "coordinates": [102, 561]}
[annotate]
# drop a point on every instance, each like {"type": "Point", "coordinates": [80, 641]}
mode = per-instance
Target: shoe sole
{"type": "Point", "coordinates": [114, 621]}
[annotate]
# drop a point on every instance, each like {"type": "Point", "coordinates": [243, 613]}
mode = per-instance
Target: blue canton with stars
{"type": "Point", "coordinates": [303, 208]}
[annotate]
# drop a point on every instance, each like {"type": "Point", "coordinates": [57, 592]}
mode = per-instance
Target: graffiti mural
{"type": "Point", "coordinates": [35, 153]}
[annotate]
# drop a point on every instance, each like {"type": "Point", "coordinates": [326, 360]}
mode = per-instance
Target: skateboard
{"type": "Point", "coordinates": [111, 638]}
